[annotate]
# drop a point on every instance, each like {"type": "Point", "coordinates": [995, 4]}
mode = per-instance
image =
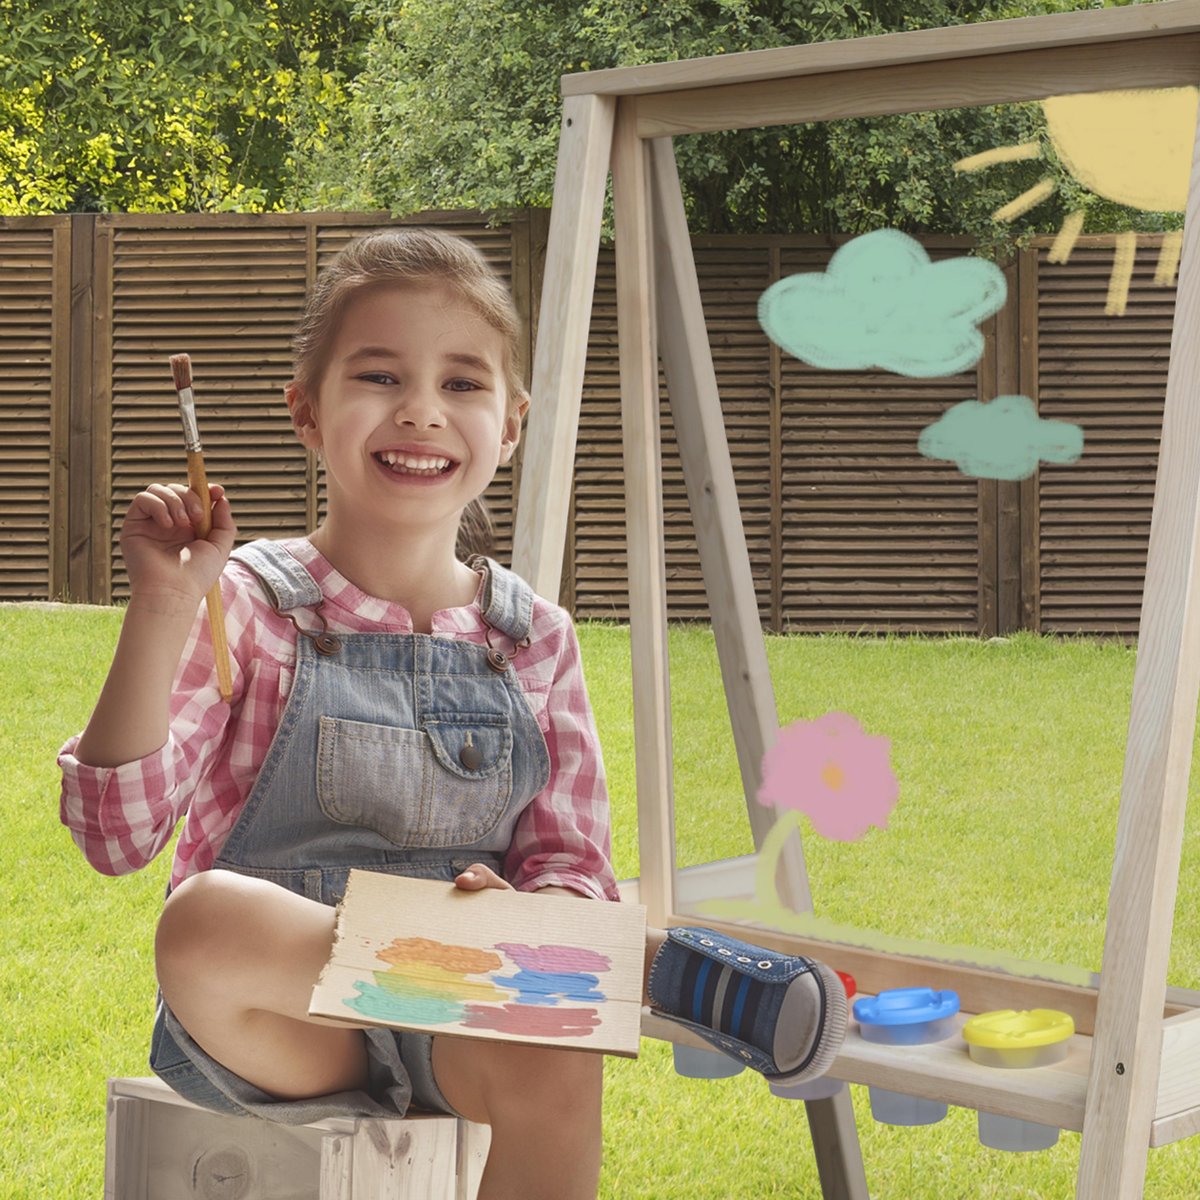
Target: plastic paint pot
{"type": "Point", "coordinates": [822, 1088]}
{"type": "Point", "coordinates": [693, 1063]}
{"type": "Point", "coordinates": [906, 1017]}
{"type": "Point", "coordinates": [1017, 1041]}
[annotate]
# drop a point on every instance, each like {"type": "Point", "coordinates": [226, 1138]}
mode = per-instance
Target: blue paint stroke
{"type": "Point", "coordinates": [546, 987]}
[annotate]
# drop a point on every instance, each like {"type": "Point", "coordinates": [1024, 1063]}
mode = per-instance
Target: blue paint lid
{"type": "Point", "coordinates": [906, 1006]}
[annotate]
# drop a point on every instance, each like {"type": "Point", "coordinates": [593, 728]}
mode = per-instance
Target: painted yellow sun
{"type": "Point", "coordinates": [1132, 147]}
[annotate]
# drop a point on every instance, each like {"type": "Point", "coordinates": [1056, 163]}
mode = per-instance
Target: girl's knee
{"type": "Point", "coordinates": [201, 917]}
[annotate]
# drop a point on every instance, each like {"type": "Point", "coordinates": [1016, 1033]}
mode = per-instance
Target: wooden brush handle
{"type": "Point", "coordinates": [198, 482]}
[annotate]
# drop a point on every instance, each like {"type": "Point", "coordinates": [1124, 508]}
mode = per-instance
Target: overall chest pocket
{"type": "Point", "coordinates": [446, 785]}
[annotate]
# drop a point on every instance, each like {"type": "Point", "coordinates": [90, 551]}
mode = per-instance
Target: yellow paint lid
{"type": "Point", "coordinates": [1006, 1029]}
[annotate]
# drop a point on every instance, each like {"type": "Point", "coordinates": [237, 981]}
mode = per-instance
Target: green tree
{"type": "Point", "coordinates": [168, 105]}
{"type": "Point", "coordinates": [458, 105]}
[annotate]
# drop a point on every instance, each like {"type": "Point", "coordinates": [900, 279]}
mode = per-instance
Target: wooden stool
{"type": "Point", "coordinates": [159, 1146]}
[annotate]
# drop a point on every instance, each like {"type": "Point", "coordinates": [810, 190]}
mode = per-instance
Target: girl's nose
{"type": "Point", "coordinates": [419, 408]}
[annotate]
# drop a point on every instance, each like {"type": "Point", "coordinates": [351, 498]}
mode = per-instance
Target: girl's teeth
{"type": "Point", "coordinates": [405, 462]}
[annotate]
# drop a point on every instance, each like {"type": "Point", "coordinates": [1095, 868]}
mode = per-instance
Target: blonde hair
{"type": "Point", "coordinates": [408, 255]}
{"type": "Point", "coordinates": [397, 257]}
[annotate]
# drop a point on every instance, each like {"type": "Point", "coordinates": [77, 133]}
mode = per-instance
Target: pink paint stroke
{"type": "Point", "coordinates": [555, 959]}
{"type": "Point", "coordinates": [529, 1020]}
{"type": "Point", "coordinates": [831, 770]}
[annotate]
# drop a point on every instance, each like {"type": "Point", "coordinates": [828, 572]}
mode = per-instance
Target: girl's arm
{"type": "Point", "coordinates": [563, 840]}
{"type": "Point", "coordinates": [170, 569]}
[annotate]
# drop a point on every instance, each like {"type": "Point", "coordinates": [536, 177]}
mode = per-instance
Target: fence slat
{"type": "Point", "coordinates": [847, 525]}
{"type": "Point", "coordinates": [32, 272]}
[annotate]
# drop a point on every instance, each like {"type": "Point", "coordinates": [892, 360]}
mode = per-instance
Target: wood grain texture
{"type": "Point", "coordinates": [638, 358]}
{"type": "Point", "coordinates": [716, 512]}
{"type": "Point", "coordinates": [560, 355]}
{"type": "Point", "coordinates": [1124, 1081]}
{"type": "Point", "coordinates": [885, 90]}
{"type": "Point", "coordinates": [973, 41]}
{"type": "Point", "coordinates": [159, 1146]}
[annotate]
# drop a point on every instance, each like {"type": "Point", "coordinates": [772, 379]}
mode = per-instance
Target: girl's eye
{"type": "Point", "coordinates": [462, 385]}
{"type": "Point", "coordinates": [377, 377]}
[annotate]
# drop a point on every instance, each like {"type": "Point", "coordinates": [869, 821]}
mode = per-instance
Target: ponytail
{"type": "Point", "coordinates": [476, 533]}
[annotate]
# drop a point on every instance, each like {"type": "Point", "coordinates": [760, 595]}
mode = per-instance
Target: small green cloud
{"type": "Point", "coordinates": [883, 303]}
{"type": "Point", "coordinates": [1003, 439]}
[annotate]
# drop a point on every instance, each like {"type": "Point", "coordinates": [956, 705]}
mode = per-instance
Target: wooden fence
{"type": "Point", "coordinates": [849, 527]}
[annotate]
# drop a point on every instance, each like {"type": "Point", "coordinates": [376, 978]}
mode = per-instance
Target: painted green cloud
{"type": "Point", "coordinates": [883, 303]}
{"type": "Point", "coordinates": [1003, 439]}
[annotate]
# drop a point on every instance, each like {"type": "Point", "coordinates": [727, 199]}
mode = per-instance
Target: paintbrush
{"type": "Point", "coordinates": [181, 372]}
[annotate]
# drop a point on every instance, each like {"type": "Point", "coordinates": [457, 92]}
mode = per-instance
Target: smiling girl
{"type": "Point", "coordinates": [394, 709]}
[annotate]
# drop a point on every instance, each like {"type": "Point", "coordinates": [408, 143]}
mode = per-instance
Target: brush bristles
{"type": "Point", "coordinates": [181, 371]}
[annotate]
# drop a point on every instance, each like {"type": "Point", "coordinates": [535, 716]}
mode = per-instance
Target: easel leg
{"type": "Point", "coordinates": [644, 519]}
{"type": "Point", "coordinates": [539, 532]}
{"type": "Point", "coordinates": [836, 1149]}
{"type": "Point", "coordinates": [716, 513]}
{"type": "Point", "coordinates": [1123, 1083]}
{"type": "Point", "coordinates": [720, 537]}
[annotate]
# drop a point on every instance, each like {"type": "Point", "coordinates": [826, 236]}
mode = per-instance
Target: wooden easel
{"type": "Point", "coordinates": [1134, 1078]}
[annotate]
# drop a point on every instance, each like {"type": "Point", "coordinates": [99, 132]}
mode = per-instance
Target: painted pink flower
{"type": "Point", "coordinates": [831, 770]}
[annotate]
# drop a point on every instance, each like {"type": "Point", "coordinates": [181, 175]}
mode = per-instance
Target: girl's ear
{"type": "Point", "coordinates": [511, 434]}
{"type": "Point", "coordinates": [303, 412]}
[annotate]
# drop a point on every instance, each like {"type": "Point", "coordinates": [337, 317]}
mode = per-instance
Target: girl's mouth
{"type": "Point", "coordinates": [426, 466]}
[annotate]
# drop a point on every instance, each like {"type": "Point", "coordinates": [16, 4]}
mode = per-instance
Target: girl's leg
{"type": "Point", "coordinates": [543, 1106]}
{"type": "Point", "coordinates": [237, 959]}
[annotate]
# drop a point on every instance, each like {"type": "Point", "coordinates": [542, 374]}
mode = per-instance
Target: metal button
{"type": "Point", "coordinates": [326, 643]}
{"type": "Point", "coordinates": [469, 755]}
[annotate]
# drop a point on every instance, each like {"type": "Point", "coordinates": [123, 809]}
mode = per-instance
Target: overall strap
{"type": "Point", "coordinates": [507, 600]}
{"type": "Point", "coordinates": [287, 582]}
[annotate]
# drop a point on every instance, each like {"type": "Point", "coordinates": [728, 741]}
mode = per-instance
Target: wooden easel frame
{"type": "Point", "coordinates": [1133, 1077]}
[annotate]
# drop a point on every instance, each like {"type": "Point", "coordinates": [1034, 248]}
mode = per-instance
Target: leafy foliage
{"type": "Point", "coordinates": [460, 106]}
{"type": "Point", "coordinates": [168, 105]}
{"type": "Point", "coordinates": [244, 105]}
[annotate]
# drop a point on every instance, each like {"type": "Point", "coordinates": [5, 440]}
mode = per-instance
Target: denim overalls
{"type": "Point", "coordinates": [397, 752]}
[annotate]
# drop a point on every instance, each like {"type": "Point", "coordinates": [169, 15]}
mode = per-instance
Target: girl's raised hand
{"type": "Point", "coordinates": [477, 877]}
{"type": "Point", "coordinates": [163, 555]}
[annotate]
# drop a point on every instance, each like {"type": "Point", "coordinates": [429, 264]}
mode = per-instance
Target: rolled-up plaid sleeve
{"type": "Point", "coordinates": [122, 817]}
{"type": "Point", "coordinates": [564, 836]}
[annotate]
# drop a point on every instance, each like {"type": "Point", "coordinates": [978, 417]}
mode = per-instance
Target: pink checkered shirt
{"type": "Point", "coordinates": [121, 817]}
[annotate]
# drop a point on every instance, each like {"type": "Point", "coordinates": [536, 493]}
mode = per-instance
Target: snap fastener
{"type": "Point", "coordinates": [326, 644]}
{"type": "Point", "coordinates": [497, 660]}
{"type": "Point", "coordinates": [469, 755]}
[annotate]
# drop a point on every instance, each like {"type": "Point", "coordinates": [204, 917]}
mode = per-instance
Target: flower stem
{"type": "Point", "coordinates": [766, 889]}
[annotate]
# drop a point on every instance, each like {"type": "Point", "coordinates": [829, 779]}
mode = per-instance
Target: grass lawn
{"type": "Point", "coordinates": [1009, 757]}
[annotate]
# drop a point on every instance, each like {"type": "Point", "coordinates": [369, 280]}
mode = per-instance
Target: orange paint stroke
{"type": "Point", "coordinates": [462, 960]}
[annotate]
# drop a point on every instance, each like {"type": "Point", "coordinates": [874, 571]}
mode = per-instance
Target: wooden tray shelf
{"type": "Point", "coordinates": [1053, 1095]}
{"type": "Point", "coordinates": [944, 1071]}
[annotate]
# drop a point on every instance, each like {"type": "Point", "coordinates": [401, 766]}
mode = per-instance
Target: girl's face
{"type": "Point", "coordinates": [412, 413]}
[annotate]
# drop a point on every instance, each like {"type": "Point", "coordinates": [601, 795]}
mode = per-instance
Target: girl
{"type": "Point", "coordinates": [394, 709]}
